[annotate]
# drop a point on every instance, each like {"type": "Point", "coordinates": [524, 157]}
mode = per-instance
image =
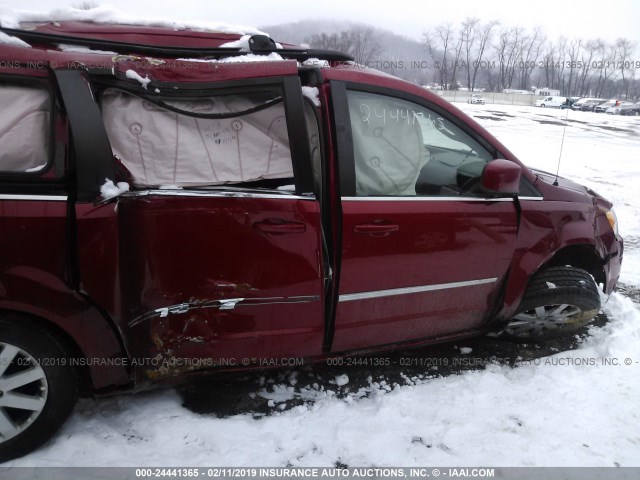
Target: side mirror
{"type": "Point", "coordinates": [501, 176]}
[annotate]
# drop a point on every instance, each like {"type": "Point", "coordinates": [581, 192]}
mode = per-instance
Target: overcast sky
{"type": "Point", "coordinates": [607, 19]}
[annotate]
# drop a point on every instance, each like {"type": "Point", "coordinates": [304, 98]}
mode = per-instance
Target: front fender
{"type": "Point", "coordinates": [546, 229]}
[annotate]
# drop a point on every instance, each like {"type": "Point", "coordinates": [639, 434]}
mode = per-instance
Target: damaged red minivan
{"type": "Point", "coordinates": [172, 206]}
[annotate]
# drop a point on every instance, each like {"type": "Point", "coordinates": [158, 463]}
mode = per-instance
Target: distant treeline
{"type": "Point", "coordinates": [487, 55]}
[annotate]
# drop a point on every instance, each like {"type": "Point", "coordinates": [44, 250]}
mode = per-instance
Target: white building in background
{"type": "Point", "coordinates": [517, 92]}
{"type": "Point", "coordinates": [546, 92]}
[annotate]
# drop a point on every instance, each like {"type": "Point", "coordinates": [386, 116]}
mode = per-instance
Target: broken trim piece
{"type": "Point", "coordinates": [221, 304]}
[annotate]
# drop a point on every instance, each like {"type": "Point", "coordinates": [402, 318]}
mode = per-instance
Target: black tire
{"type": "Point", "coordinates": [558, 301]}
{"type": "Point", "coordinates": [22, 341]}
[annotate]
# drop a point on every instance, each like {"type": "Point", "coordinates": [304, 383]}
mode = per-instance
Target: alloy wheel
{"type": "Point", "coordinates": [541, 319]}
{"type": "Point", "coordinates": [23, 390]}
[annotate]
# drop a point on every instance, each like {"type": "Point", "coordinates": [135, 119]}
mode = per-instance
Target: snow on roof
{"type": "Point", "coordinates": [80, 49]}
{"type": "Point", "coordinates": [10, 18]}
{"type": "Point", "coordinates": [132, 74]}
{"type": "Point", "coordinates": [252, 57]}
{"type": "Point", "coordinates": [13, 41]}
{"type": "Point", "coordinates": [248, 58]}
{"type": "Point", "coordinates": [242, 43]}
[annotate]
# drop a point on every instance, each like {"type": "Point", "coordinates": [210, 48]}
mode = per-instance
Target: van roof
{"type": "Point", "coordinates": [162, 42]}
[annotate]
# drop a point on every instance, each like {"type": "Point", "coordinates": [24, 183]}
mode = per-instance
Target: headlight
{"type": "Point", "coordinates": [613, 220]}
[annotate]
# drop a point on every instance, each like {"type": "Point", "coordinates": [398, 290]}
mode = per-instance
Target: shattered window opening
{"type": "Point", "coordinates": [25, 128]}
{"type": "Point", "coordinates": [206, 141]}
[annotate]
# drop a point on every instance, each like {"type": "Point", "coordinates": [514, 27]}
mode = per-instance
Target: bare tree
{"type": "Point", "coordinates": [85, 5]}
{"type": "Point", "coordinates": [455, 61]}
{"type": "Point", "coordinates": [607, 55]}
{"type": "Point", "coordinates": [559, 63]}
{"type": "Point", "coordinates": [574, 55]}
{"type": "Point", "coordinates": [468, 34]}
{"type": "Point", "coordinates": [508, 52]}
{"type": "Point", "coordinates": [484, 37]}
{"type": "Point", "coordinates": [585, 69]}
{"type": "Point", "coordinates": [530, 49]}
{"type": "Point", "coordinates": [359, 42]}
{"type": "Point", "coordinates": [439, 44]}
{"type": "Point", "coordinates": [624, 48]}
{"type": "Point", "coordinates": [364, 44]}
{"type": "Point", "coordinates": [327, 42]}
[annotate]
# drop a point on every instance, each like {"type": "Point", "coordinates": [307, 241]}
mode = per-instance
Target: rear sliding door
{"type": "Point", "coordinates": [218, 241]}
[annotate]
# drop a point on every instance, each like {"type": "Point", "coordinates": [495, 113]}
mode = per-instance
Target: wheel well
{"type": "Point", "coordinates": [579, 256]}
{"type": "Point", "coordinates": [63, 337]}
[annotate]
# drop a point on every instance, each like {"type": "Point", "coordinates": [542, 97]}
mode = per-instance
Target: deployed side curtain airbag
{"type": "Point", "coordinates": [388, 146]}
{"type": "Point", "coordinates": [24, 128]}
{"type": "Point", "coordinates": [198, 141]}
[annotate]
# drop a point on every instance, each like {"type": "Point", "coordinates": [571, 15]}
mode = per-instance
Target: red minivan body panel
{"type": "Point", "coordinates": [219, 279]}
{"type": "Point", "coordinates": [34, 281]}
{"type": "Point", "coordinates": [435, 270]}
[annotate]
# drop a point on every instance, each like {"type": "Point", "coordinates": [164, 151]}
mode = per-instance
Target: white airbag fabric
{"type": "Point", "coordinates": [161, 147]}
{"type": "Point", "coordinates": [24, 128]}
{"type": "Point", "coordinates": [388, 146]}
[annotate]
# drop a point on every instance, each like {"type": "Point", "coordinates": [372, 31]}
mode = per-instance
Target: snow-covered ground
{"type": "Point", "coordinates": [600, 151]}
{"type": "Point", "coordinates": [569, 409]}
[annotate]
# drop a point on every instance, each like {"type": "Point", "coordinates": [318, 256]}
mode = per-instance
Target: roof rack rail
{"type": "Point", "coordinates": [259, 44]}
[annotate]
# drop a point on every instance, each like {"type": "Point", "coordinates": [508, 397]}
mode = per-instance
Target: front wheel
{"type": "Point", "coordinates": [38, 388]}
{"type": "Point", "coordinates": [558, 301]}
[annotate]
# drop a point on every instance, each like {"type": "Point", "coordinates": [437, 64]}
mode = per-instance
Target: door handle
{"type": "Point", "coordinates": [287, 227]}
{"type": "Point", "coordinates": [376, 229]}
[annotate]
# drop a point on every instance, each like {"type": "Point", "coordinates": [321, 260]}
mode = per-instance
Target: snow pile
{"type": "Point", "coordinates": [132, 74]}
{"type": "Point", "coordinates": [558, 411]}
{"type": "Point", "coordinates": [252, 57]}
{"type": "Point", "coordinates": [242, 44]}
{"type": "Point", "coordinates": [12, 41]}
{"type": "Point", "coordinates": [599, 151]}
{"type": "Point", "coordinates": [248, 58]}
{"type": "Point", "coordinates": [313, 93]}
{"type": "Point", "coordinates": [10, 18]}
{"type": "Point", "coordinates": [341, 380]}
{"type": "Point", "coordinates": [36, 168]}
{"type": "Point", "coordinates": [109, 190]}
{"type": "Point", "coordinates": [79, 49]}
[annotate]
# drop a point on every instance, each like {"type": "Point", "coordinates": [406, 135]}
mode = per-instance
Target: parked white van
{"type": "Point", "coordinates": [551, 102]}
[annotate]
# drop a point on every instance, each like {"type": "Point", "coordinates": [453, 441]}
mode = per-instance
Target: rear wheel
{"type": "Point", "coordinates": [38, 388]}
{"type": "Point", "coordinates": [558, 301]}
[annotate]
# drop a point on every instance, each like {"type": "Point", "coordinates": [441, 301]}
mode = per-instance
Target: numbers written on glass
{"type": "Point", "coordinates": [399, 115]}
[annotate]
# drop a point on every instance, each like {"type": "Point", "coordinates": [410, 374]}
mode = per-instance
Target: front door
{"type": "Point", "coordinates": [424, 254]}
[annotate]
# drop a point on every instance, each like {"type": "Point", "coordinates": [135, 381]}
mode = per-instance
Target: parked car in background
{"type": "Point", "coordinates": [569, 102]}
{"type": "Point", "coordinates": [555, 102]}
{"type": "Point", "coordinates": [164, 218]}
{"type": "Point", "coordinates": [578, 103]}
{"type": "Point", "coordinates": [590, 104]}
{"type": "Point", "coordinates": [624, 108]}
{"type": "Point", "coordinates": [475, 98]}
{"type": "Point", "coordinates": [604, 106]}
